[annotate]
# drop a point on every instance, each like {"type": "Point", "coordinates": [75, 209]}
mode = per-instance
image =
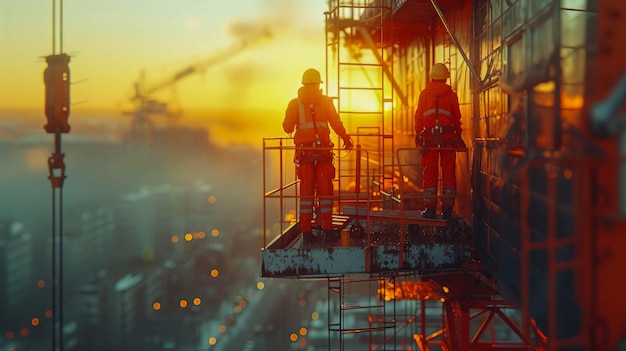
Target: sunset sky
{"type": "Point", "coordinates": [111, 42]}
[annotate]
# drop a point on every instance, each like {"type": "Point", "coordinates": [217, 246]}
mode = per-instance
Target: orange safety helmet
{"type": "Point", "coordinates": [439, 71]}
{"type": "Point", "coordinates": [311, 76]}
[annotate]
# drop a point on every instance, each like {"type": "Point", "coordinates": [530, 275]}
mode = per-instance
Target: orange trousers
{"type": "Point", "coordinates": [430, 174]}
{"type": "Point", "coordinates": [316, 183]}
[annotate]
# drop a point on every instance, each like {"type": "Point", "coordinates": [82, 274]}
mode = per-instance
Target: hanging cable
{"type": "Point", "coordinates": [54, 270]}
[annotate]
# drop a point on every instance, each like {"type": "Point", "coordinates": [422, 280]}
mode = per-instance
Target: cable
{"type": "Point", "coordinates": [53, 283]}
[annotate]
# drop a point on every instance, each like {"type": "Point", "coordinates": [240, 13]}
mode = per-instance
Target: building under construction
{"type": "Point", "coordinates": [531, 259]}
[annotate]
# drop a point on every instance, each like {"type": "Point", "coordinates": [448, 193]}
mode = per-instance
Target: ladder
{"type": "Point", "coordinates": [360, 78]}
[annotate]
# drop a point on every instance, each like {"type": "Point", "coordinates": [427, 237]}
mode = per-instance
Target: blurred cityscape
{"type": "Point", "coordinates": [161, 245]}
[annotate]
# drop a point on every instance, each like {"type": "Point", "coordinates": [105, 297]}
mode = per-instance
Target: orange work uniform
{"type": "Point", "coordinates": [438, 119]}
{"type": "Point", "coordinates": [311, 115]}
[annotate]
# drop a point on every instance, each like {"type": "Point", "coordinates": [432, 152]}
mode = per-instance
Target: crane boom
{"type": "Point", "coordinates": [141, 124]}
{"type": "Point", "coordinates": [199, 67]}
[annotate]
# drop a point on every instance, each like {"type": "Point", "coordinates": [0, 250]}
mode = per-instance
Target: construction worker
{"type": "Point", "coordinates": [310, 115]}
{"type": "Point", "coordinates": [438, 128]}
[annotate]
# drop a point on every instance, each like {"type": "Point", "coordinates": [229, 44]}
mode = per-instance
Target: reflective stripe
{"type": "Point", "coordinates": [308, 125]}
{"type": "Point", "coordinates": [447, 196]}
{"type": "Point", "coordinates": [306, 210]}
{"type": "Point", "coordinates": [301, 113]}
{"type": "Point", "coordinates": [326, 202]}
{"type": "Point", "coordinates": [430, 197]}
{"type": "Point", "coordinates": [433, 110]}
{"type": "Point", "coordinates": [326, 210]}
{"type": "Point", "coordinates": [430, 191]}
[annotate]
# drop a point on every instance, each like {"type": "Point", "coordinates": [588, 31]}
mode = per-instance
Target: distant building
{"type": "Point", "coordinates": [120, 308]}
{"type": "Point", "coordinates": [155, 220]}
{"type": "Point", "coordinates": [87, 245]}
{"type": "Point", "coordinates": [16, 268]}
{"type": "Point", "coordinates": [136, 224]}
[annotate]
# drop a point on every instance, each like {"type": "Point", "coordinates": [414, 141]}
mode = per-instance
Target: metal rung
{"type": "Point", "coordinates": [360, 88]}
{"type": "Point", "coordinates": [360, 64]}
{"type": "Point", "coordinates": [361, 112]}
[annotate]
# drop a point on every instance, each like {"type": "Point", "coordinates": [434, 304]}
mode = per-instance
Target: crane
{"type": "Point", "coordinates": [145, 105]}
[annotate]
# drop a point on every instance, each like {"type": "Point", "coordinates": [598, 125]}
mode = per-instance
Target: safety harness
{"type": "Point", "coordinates": [312, 155]}
{"type": "Point", "coordinates": [438, 136]}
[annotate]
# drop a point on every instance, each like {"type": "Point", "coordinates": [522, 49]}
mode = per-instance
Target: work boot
{"type": "Point", "coordinates": [331, 236]}
{"type": "Point", "coordinates": [357, 233]}
{"type": "Point", "coordinates": [446, 212]}
{"type": "Point", "coordinates": [429, 212]}
{"type": "Point", "coordinates": [307, 238]}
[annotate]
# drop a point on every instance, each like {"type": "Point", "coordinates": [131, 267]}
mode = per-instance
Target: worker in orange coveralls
{"type": "Point", "coordinates": [311, 114]}
{"type": "Point", "coordinates": [438, 128]}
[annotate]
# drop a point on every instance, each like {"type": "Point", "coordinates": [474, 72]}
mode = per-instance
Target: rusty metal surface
{"type": "Point", "coordinates": [300, 260]}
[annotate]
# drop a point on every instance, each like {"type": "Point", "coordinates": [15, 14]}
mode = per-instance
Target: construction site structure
{"type": "Point", "coordinates": [532, 258]}
{"type": "Point", "coordinates": [145, 104]}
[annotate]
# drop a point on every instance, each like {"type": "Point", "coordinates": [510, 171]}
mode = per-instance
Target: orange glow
{"type": "Point", "coordinates": [10, 335]}
{"type": "Point", "coordinates": [446, 289]}
{"type": "Point", "coordinates": [214, 273]}
{"type": "Point", "coordinates": [175, 239]}
{"type": "Point", "coordinates": [302, 302]}
{"type": "Point", "coordinates": [24, 332]}
{"type": "Point", "coordinates": [568, 174]}
{"type": "Point", "coordinates": [315, 316]}
{"type": "Point", "coordinates": [290, 217]}
{"type": "Point", "coordinates": [295, 35]}
{"type": "Point", "coordinates": [48, 314]}
{"type": "Point", "coordinates": [201, 235]}
{"type": "Point", "coordinates": [34, 321]}
{"type": "Point", "coordinates": [572, 102]}
{"type": "Point", "coordinates": [215, 232]}
{"type": "Point", "coordinates": [237, 309]}
{"type": "Point", "coordinates": [293, 337]}
{"type": "Point", "coordinates": [212, 340]}
{"type": "Point", "coordinates": [303, 331]}
{"type": "Point", "coordinates": [188, 237]}
{"type": "Point", "coordinates": [212, 199]}
{"type": "Point", "coordinates": [222, 328]}
{"type": "Point", "coordinates": [410, 290]}
{"type": "Point", "coordinates": [41, 283]}
{"type": "Point", "coordinates": [197, 301]}
{"type": "Point", "coordinates": [156, 306]}
{"type": "Point", "coordinates": [243, 303]}
{"type": "Point", "coordinates": [183, 303]}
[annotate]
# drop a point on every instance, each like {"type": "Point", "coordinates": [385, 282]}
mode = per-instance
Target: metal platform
{"type": "Point", "coordinates": [427, 246]}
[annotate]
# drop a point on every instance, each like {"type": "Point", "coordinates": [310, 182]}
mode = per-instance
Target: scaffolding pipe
{"type": "Point", "coordinates": [372, 45]}
{"type": "Point", "coordinates": [456, 41]}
